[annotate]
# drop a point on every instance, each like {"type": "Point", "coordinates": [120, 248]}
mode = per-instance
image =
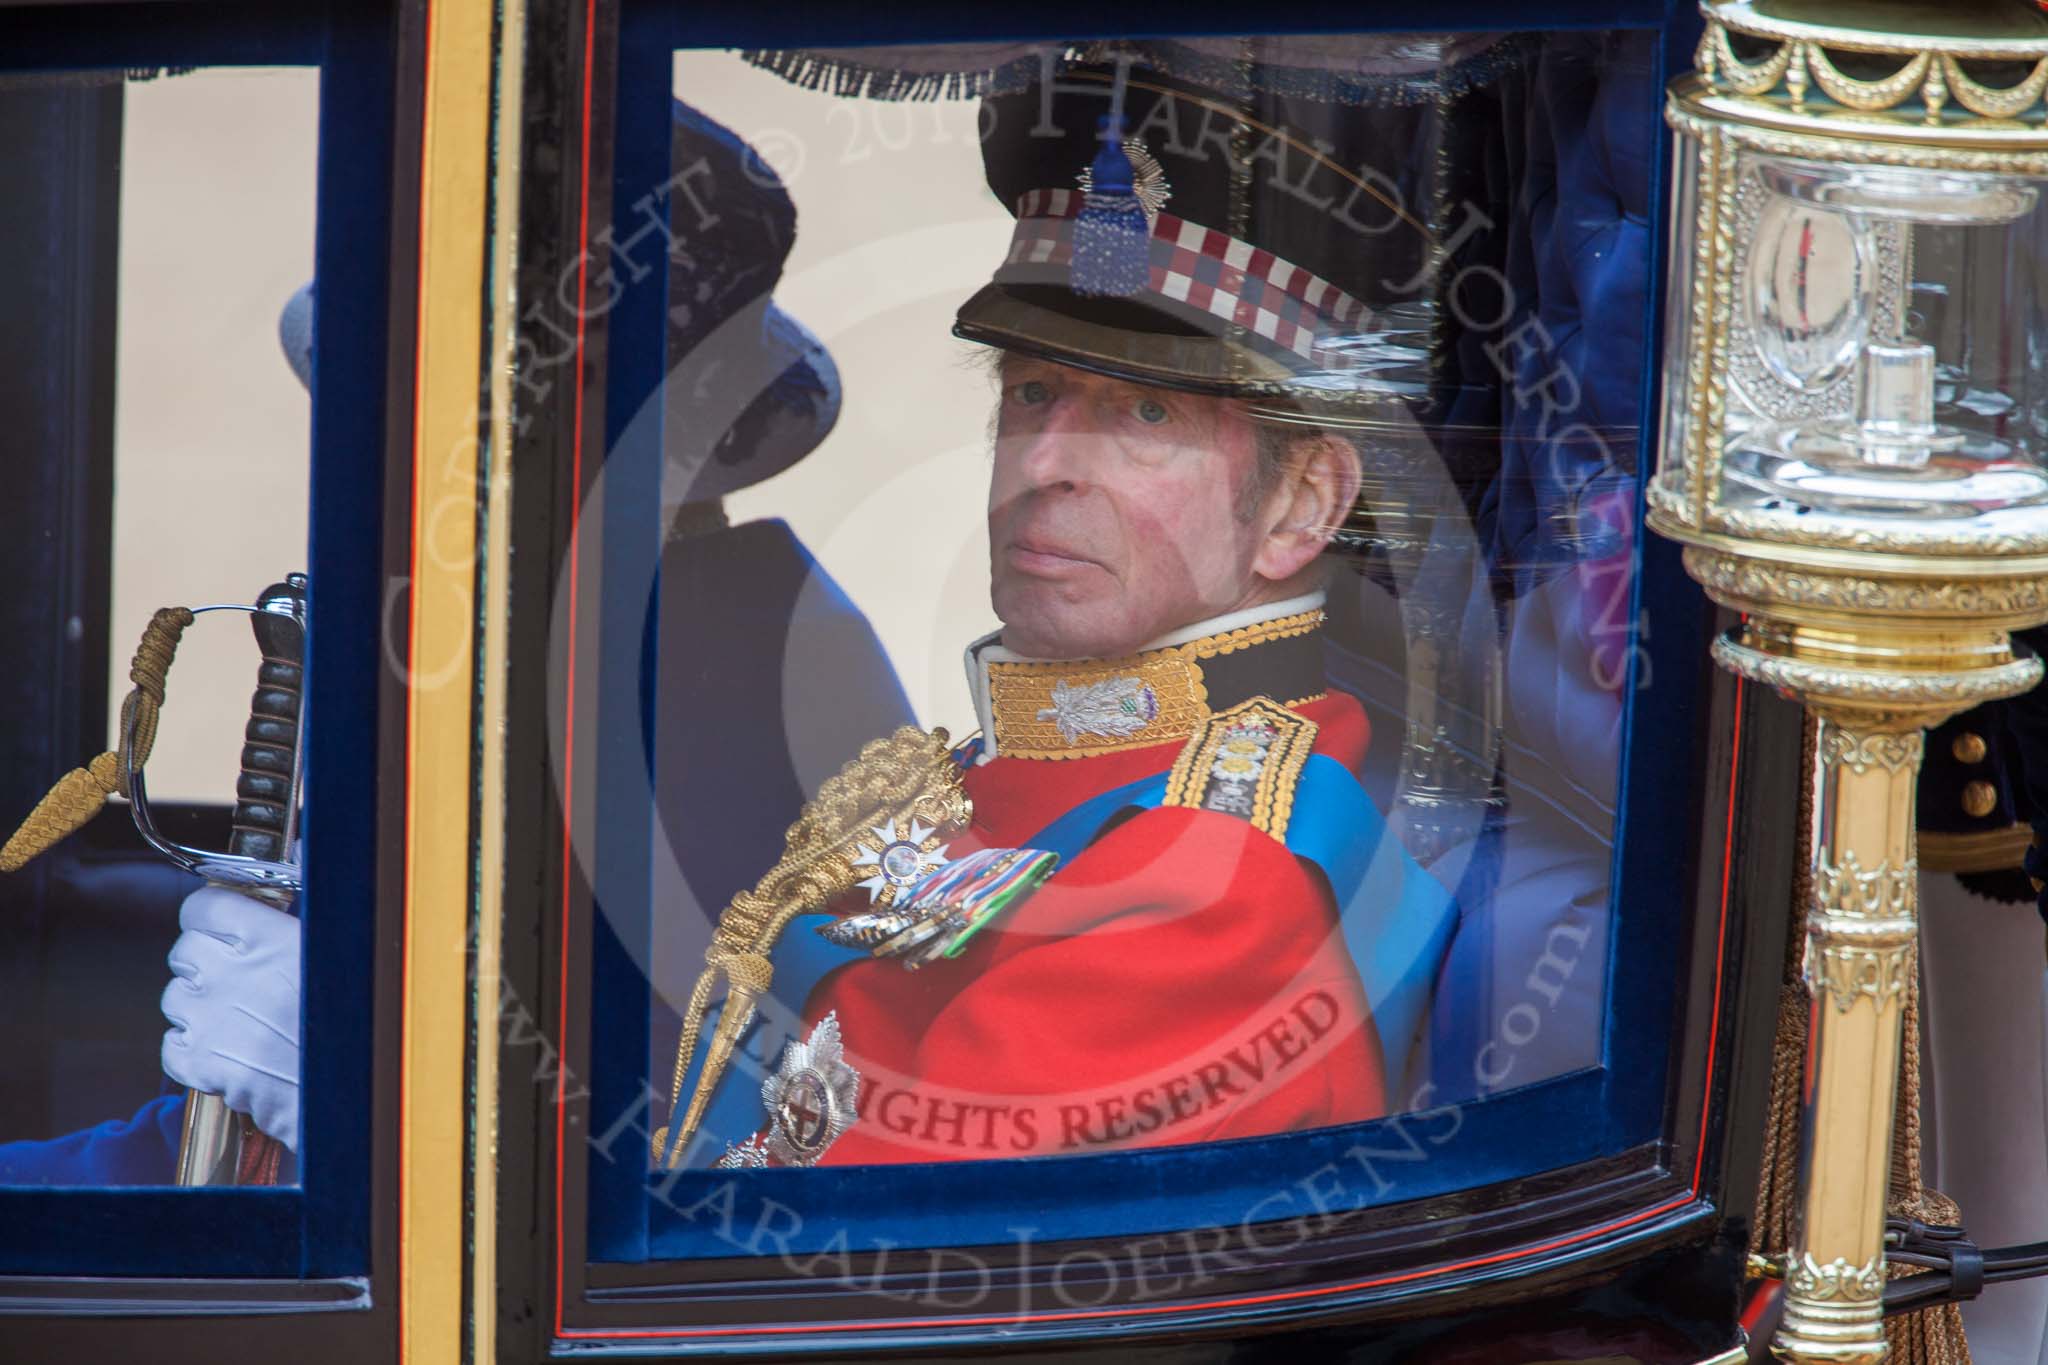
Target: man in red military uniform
{"type": "Point", "coordinates": [1182, 977]}
{"type": "Point", "coordinates": [1185, 922]}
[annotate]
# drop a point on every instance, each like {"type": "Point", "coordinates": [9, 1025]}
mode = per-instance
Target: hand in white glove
{"type": "Point", "coordinates": [233, 1003]}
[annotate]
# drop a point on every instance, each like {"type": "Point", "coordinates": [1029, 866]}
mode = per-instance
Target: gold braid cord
{"type": "Point", "coordinates": [80, 793]}
{"type": "Point", "coordinates": [1777, 1196]}
{"type": "Point", "coordinates": [908, 776]}
{"type": "Point", "coordinates": [1929, 1336]}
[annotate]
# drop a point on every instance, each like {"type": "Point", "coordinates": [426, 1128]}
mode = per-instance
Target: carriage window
{"type": "Point", "coordinates": [160, 298]}
{"type": "Point", "coordinates": [212, 385]}
{"type": "Point", "coordinates": [1116, 627]}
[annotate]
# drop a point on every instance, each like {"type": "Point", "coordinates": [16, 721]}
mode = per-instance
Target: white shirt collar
{"type": "Point", "coordinates": [989, 649]}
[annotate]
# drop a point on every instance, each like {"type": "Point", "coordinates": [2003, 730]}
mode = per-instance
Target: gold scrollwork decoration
{"type": "Point", "coordinates": [1870, 150]}
{"type": "Point", "coordinates": [1796, 76]}
{"type": "Point", "coordinates": [1725, 575]}
{"type": "Point", "coordinates": [1800, 57]}
{"type": "Point", "coordinates": [1991, 101]}
{"type": "Point", "coordinates": [1667, 498]}
{"type": "Point", "coordinates": [1933, 96]}
{"type": "Point", "coordinates": [1791, 528]}
{"type": "Point", "coordinates": [1880, 892]}
{"type": "Point", "coordinates": [1836, 1281]}
{"type": "Point", "coordinates": [1846, 975]}
{"type": "Point", "coordinates": [1744, 78]}
{"type": "Point", "coordinates": [1861, 750]}
{"type": "Point", "coordinates": [1711, 415]}
{"type": "Point", "coordinates": [1815, 682]}
{"type": "Point", "coordinates": [1861, 932]}
{"type": "Point", "coordinates": [1865, 96]}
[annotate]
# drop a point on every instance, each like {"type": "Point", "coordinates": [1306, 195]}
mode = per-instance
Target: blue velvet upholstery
{"type": "Point", "coordinates": [141, 1150]}
{"type": "Point", "coordinates": [837, 1210]}
{"type": "Point", "coordinates": [1579, 264]}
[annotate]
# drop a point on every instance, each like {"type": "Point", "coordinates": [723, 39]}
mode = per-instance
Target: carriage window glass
{"type": "Point", "coordinates": [160, 298]}
{"type": "Point", "coordinates": [1117, 604]}
{"type": "Point", "coordinates": [211, 403]}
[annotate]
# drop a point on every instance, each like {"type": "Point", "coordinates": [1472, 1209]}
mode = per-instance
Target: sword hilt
{"type": "Point", "coordinates": [219, 1147]}
{"type": "Point", "coordinates": [264, 792]}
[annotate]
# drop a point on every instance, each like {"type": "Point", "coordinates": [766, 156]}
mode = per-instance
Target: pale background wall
{"type": "Point", "coordinates": [895, 228]}
{"type": "Point", "coordinates": [211, 430]}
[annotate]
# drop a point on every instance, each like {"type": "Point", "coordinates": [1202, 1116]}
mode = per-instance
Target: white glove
{"type": "Point", "coordinates": [233, 1003]}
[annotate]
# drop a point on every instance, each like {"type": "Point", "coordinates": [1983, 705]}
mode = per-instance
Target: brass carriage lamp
{"type": "Point", "coordinates": [1854, 425]}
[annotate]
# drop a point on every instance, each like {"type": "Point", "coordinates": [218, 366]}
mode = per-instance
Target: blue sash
{"type": "Point", "coordinates": [1397, 923]}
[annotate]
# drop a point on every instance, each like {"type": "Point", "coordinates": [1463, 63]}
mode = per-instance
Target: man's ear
{"type": "Point", "coordinates": [1316, 493]}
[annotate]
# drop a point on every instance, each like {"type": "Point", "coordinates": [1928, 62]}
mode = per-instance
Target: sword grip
{"type": "Point", "coordinates": [219, 1146]}
{"type": "Point", "coordinates": [263, 791]}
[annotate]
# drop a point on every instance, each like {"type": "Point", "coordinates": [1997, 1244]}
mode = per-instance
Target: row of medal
{"type": "Point", "coordinates": [937, 906]}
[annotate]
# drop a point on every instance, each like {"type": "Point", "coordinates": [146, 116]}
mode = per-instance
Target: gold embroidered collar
{"type": "Point", "coordinates": [1073, 709]}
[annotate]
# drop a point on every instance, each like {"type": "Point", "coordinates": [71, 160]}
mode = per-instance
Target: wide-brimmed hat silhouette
{"type": "Point", "coordinates": [728, 342]}
{"type": "Point", "coordinates": [750, 391]}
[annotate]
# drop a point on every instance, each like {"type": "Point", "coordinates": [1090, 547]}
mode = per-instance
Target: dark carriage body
{"type": "Point", "coordinates": [1596, 1205]}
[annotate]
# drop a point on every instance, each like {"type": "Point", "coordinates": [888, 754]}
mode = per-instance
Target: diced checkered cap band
{"type": "Point", "coordinates": [1202, 270]}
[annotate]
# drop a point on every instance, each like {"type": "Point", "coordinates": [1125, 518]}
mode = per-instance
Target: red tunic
{"type": "Point", "coordinates": [1183, 979]}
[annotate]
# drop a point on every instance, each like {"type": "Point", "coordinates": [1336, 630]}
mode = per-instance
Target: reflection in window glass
{"type": "Point", "coordinates": [182, 267]}
{"type": "Point", "coordinates": [1257, 418]}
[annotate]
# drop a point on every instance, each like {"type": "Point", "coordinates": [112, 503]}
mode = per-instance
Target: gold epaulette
{"type": "Point", "coordinates": [1244, 762]}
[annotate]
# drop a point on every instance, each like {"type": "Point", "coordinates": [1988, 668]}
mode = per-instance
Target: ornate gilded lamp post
{"type": "Point", "coordinates": [1852, 437]}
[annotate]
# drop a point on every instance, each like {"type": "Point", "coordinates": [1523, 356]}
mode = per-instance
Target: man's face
{"type": "Point", "coordinates": [1114, 511]}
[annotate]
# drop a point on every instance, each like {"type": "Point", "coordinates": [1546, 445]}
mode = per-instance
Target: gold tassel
{"type": "Point", "coordinates": [75, 799]}
{"type": "Point", "coordinates": [80, 793]}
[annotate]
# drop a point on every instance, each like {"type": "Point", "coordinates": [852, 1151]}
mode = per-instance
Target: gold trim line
{"type": "Point", "coordinates": [496, 645]}
{"type": "Point", "coordinates": [454, 181]}
{"type": "Point", "coordinates": [1738, 1354]}
{"type": "Point", "coordinates": [1983, 850]}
